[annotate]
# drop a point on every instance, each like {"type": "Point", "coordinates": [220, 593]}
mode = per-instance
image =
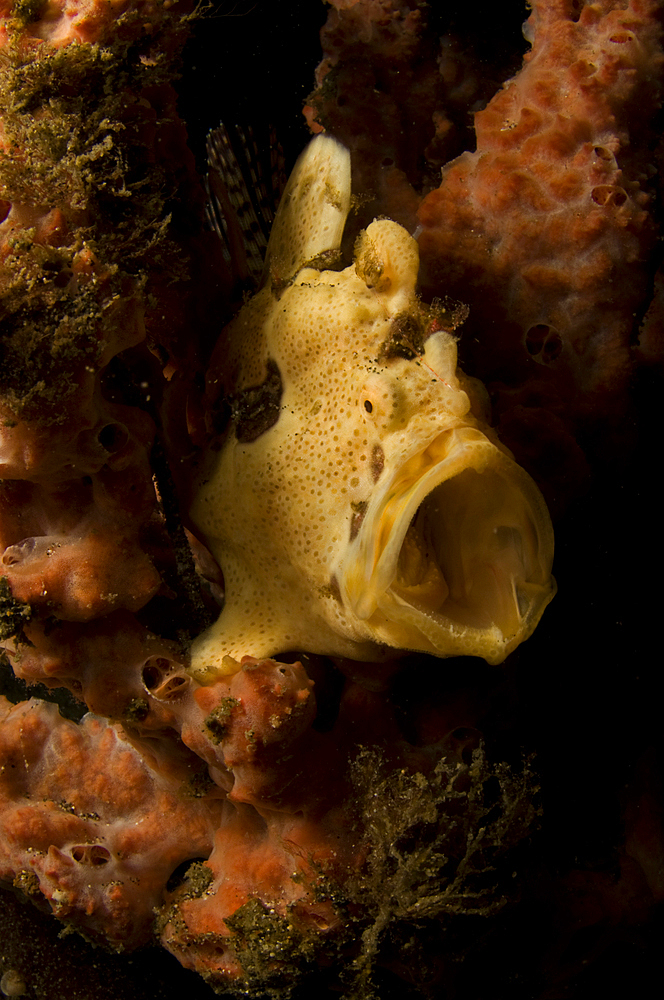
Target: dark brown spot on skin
{"type": "Point", "coordinates": [257, 409]}
{"type": "Point", "coordinates": [406, 338]}
{"type": "Point", "coordinates": [220, 414]}
{"type": "Point", "coordinates": [334, 590]}
{"type": "Point", "coordinates": [377, 462]}
{"type": "Point", "coordinates": [359, 510]}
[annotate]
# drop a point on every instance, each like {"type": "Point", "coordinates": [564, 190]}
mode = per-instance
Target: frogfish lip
{"type": "Point", "coordinates": [453, 556]}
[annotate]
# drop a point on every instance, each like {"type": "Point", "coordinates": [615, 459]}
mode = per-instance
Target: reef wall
{"type": "Point", "coordinates": [307, 818]}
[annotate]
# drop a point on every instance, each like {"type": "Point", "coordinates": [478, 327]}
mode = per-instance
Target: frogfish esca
{"type": "Point", "coordinates": [358, 502]}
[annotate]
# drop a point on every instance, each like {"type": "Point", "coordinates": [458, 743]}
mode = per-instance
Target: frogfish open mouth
{"type": "Point", "coordinates": [357, 503]}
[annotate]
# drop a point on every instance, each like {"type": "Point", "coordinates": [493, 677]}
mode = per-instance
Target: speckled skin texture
{"type": "Point", "coordinates": [308, 520]}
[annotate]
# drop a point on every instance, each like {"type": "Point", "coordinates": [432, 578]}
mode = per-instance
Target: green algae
{"type": "Point", "coordinates": [14, 614]}
{"type": "Point", "coordinates": [273, 951]}
{"type": "Point", "coordinates": [81, 123]}
{"type": "Point", "coordinates": [137, 710]}
{"type": "Point", "coordinates": [217, 721]}
{"type": "Point", "coordinates": [440, 861]}
{"type": "Point", "coordinates": [442, 854]}
{"type": "Point", "coordinates": [28, 11]}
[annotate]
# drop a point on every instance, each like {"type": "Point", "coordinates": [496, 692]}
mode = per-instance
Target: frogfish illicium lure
{"type": "Point", "coordinates": [358, 503]}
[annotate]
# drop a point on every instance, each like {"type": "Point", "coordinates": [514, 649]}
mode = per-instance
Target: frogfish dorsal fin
{"type": "Point", "coordinates": [243, 191]}
{"type": "Point", "coordinates": [312, 213]}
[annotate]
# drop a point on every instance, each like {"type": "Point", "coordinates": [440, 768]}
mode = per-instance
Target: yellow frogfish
{"type": "Point", "coordinates": [358, 504]}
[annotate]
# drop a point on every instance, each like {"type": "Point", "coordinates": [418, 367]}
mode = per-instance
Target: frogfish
{"type": "Point", "coordinates": [357, 501]}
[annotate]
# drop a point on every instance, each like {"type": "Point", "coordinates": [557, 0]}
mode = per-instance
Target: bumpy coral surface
{"type": "Point", "coordinates": [88, 826]}
{"type": "Point", "coordinates": [226, 808]}
{"type": "Point", "coordinates": [94, 264]}
{"type": "Point", "coordinates": [564, 159]}
{"type": "Point", "coordinates": [546, 227]}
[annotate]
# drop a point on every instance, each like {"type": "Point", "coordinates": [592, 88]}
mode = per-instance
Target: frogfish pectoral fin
{"type": "Point", "coordinates": [454, 557]}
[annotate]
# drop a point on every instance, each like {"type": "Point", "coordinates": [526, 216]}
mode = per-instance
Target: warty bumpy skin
{"type": "Point", "coordinates": [370, 509]}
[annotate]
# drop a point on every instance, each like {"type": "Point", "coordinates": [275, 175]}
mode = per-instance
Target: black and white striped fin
{"type": "Point", "coordinates": [241, 202]}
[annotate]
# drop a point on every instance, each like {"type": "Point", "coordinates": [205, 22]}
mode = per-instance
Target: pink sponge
{"type": "Point", "coordinates": [87, 827]}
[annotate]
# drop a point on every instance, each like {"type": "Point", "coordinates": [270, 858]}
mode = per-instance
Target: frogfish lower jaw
{"type": "Point", "coordinates": [453, 556]}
